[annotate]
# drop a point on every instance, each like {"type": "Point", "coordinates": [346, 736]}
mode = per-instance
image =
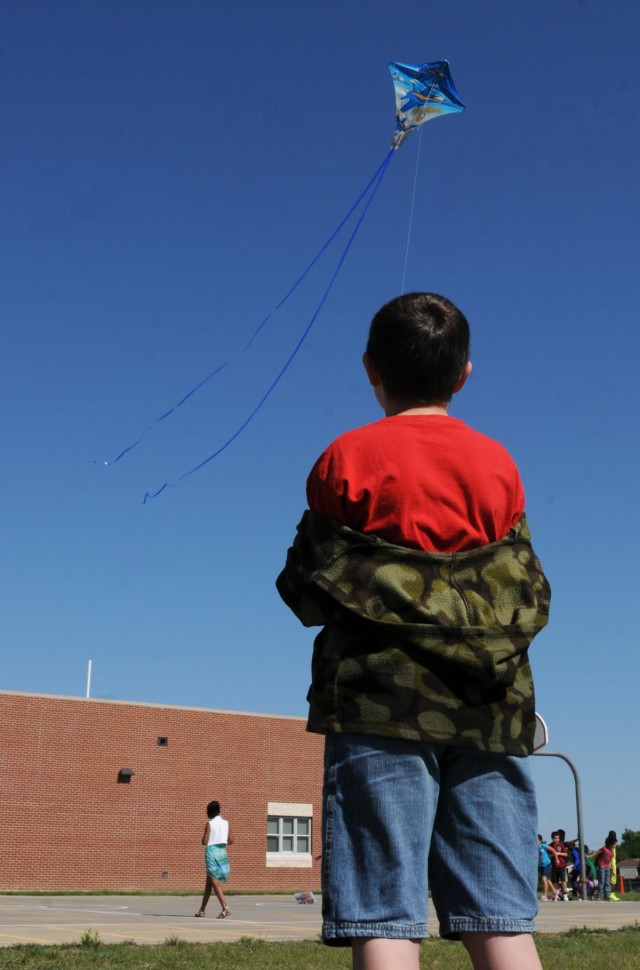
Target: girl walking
{"type": "Point", "coordinates": [217, 836]}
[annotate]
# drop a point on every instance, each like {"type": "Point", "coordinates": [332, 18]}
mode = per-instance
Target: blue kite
{"type": "Point", "coordinates": [423, 92]}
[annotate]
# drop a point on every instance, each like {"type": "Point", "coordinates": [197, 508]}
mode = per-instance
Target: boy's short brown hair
{"type": "Point", "coordinates": [419, 346]}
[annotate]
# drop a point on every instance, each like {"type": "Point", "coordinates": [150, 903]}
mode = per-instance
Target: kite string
{"type": "Point", "coordinates": [380, 175]}
{"type": "Point", "coordinates": [413, 199]}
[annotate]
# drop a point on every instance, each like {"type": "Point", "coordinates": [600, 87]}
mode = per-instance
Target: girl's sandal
{"type": "Point", "coordinates": [200, 913]}
{"type": "Point", "coordinates": [225, 912]}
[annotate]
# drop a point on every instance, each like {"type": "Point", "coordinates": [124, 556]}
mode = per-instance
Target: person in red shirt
{"type": "Point", "coordinates": [559, 868]}
{"type": "Point", "coordinates": [604, 858]}
{"type": "Point", "coordinates": [417, 480]}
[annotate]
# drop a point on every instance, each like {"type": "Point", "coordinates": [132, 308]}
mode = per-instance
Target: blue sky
{"type": "Point", "coordinates": [168, 170]}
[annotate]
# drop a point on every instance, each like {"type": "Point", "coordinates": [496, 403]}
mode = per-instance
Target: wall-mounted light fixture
{"type": "Point", "coordinates": [125, 775]}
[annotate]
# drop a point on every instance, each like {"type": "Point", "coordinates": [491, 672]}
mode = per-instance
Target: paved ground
{"type": "Point", "coordinates": [152, 919]}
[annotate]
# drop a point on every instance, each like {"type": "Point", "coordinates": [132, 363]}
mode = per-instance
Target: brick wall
{"type": "Point", "coordinates": [67, 822]}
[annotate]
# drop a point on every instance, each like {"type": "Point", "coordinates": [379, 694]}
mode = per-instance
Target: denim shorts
{"type": "Point", "coordinates": [401, 818]}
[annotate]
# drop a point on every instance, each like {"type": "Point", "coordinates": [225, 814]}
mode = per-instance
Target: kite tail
{"type": "Point", "coordinates": [377, 174]}
{"type": "Point", "coordinates": [166, 414]}
{"type": "Point", "coordinates": [322, 250]}
{"type": "Point", "coordinates": [376, 182]}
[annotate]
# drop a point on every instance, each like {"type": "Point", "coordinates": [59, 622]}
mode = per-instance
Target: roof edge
{"type": "Point", "coordinates": [172, 707]}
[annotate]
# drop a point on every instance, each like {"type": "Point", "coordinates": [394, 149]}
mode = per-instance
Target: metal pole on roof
{"type": "Point", "coordinates": [583, 866]}
{"type": "Point", "coordinates": [88, 694]}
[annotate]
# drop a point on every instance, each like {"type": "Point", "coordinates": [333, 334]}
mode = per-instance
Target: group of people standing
{"type": "Point", "coordinates": [560, 871]}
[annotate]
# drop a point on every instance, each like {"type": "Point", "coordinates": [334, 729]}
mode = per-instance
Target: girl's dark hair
{"type": "Point", "coordinates": [419, 345]}
{"type": "Point", "coordinates": [213, 809]}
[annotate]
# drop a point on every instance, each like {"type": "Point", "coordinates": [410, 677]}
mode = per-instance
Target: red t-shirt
{"type": "Point", "coordinates": [426, 481]}
{"type": "Point", "coordinates": [559, 862]}
{"type": "Point", "coordinates": [605, 857]}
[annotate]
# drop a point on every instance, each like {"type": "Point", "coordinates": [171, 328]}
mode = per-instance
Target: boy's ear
{"type": "Point", "coordinates": [468, 367]}
{"type": "Point", "coordinates": [372, 374]}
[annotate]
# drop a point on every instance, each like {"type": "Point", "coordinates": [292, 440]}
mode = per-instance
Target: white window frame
{"type": "Point", "coordinates": [296, 811]}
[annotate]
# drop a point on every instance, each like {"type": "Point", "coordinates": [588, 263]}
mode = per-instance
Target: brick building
{"type": "Point", "coordinates": [111, 795]}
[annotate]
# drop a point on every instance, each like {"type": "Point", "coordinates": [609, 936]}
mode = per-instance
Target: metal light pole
{"type": "Point", "coordinates": [576, 776]}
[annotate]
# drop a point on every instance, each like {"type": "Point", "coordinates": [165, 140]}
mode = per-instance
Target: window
{"type": "Point", "coordinates": [289, 832]}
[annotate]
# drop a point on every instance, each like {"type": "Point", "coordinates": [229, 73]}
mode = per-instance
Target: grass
{"type": "Point", "coordinates": [576, 950]}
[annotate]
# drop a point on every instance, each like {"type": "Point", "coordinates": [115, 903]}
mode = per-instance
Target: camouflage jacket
{"type": "Point", "coordinates": [419, 645]}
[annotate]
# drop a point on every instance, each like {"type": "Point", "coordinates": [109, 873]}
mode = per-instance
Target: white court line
{"type": "Point", "coordinates": [77, 909]}
{"type": "Point", "coordinates": [15, 937]}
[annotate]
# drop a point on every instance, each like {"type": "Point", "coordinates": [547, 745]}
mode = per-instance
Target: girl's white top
{"type": "Point", "coordinates": [218, 830]}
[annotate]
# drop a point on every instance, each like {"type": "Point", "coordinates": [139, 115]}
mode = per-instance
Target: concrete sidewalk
{"type": "Point", "coordinates": [153, 919]}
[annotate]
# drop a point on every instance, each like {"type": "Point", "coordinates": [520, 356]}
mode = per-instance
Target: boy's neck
{"type": "Point", "coordinates": [393, 410]}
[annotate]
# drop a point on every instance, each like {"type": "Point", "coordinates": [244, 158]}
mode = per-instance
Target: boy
{"type": "Point", "coordinates": [559, 867]}
{"type": "Point", "coordinates": [415, 557]}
